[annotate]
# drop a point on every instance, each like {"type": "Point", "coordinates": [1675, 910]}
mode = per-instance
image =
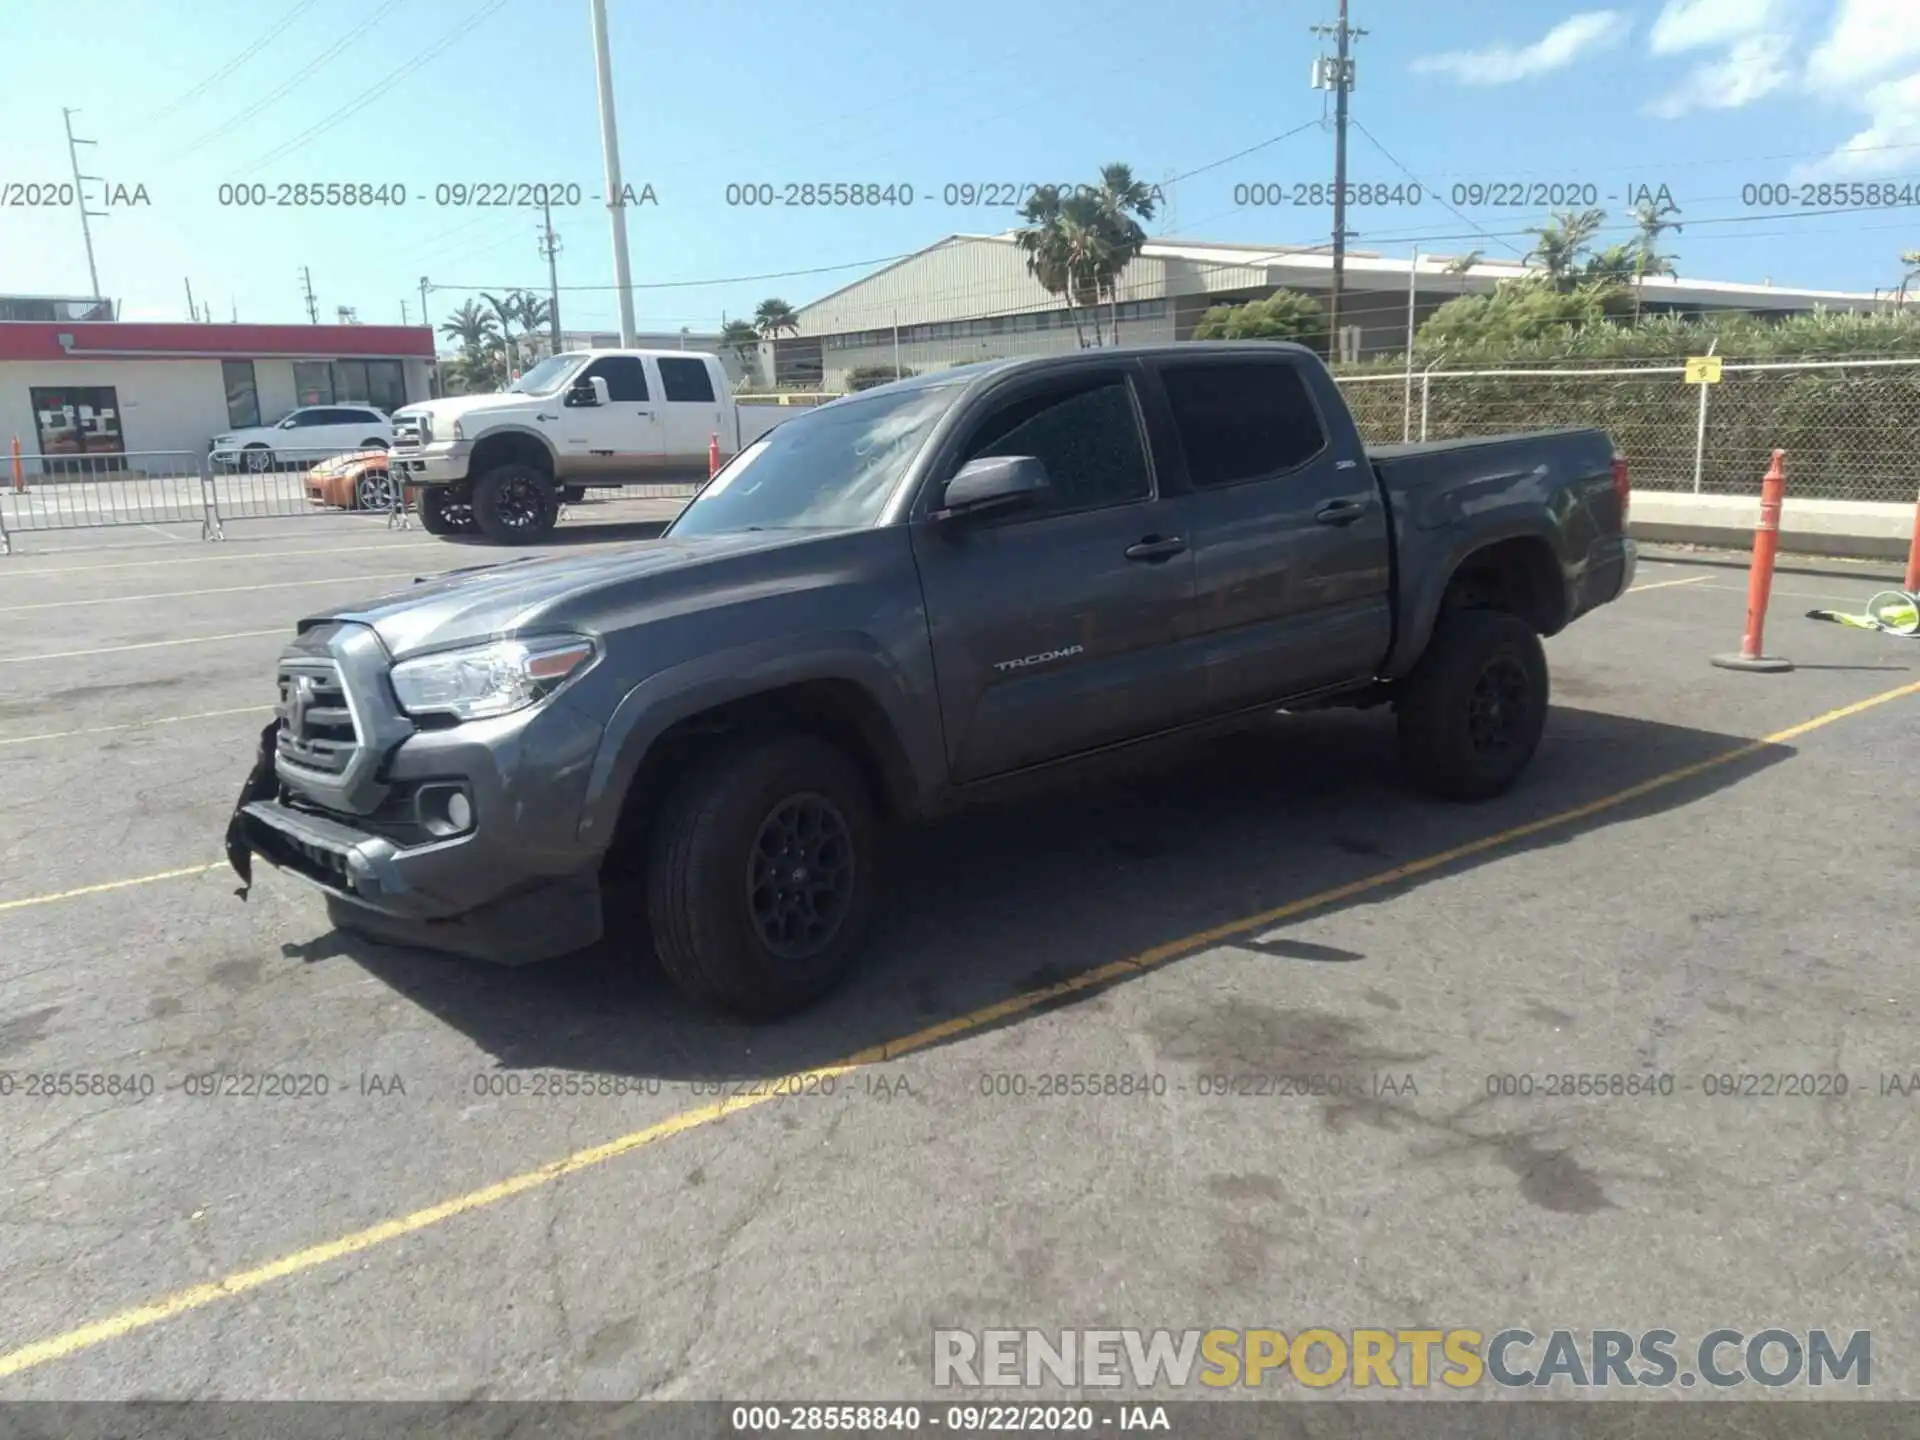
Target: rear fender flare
{"type": "Point", "coordinates": [1430, 580]}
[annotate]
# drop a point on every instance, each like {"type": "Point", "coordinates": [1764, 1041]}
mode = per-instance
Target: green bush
{"type": "Point", "coordinates": [1283, 315]}
{"type": "Point", "coordinates": [865, 377]}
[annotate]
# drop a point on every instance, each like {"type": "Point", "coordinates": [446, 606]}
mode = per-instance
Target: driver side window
{"type": "Point", "coordinates": [1086, 433]}
{"type": "Point", "coordinates": [626, 377]}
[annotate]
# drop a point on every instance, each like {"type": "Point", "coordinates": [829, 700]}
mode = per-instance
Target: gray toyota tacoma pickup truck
{"type": "Point", "coordinates": [887, 607]}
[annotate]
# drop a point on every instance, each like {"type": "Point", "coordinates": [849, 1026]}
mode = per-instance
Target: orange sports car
{"type": "Point", "coordinates": [356, 481]}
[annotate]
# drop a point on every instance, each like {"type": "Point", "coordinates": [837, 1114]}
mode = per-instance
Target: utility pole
{"type": "Point", "coordinates": [192, 312]}
{"type": "Point", "coordinates": [306, 282]}
{"type": "Point", "coordinates": [80, 197]}
{"type": "Point", "coordinates": [1337, 75]}
{"type": "Point", "coordinates": [550, 247]}
{"type": "Point", "coordinates": [426, 319]}
{"type": "Point", "coordinates": [610, 148]}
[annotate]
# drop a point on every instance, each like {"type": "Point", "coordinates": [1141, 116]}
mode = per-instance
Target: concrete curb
{"type": "Point", "coordinates": [1850, 529]}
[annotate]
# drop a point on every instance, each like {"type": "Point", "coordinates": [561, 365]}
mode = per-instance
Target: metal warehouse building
{"type": "Point", "coordinates": [970, 298]}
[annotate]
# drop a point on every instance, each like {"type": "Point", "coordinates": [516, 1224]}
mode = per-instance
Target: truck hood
{"type": "Point", "coordinates": [485, 602]}
{"type": "Point", "coordinates": [453, 407]}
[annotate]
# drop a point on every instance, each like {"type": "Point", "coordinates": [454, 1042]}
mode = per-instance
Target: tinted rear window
{"type": "Point", "coordinates": [1242, 420]}
{"type": "Point", "coordinates": [686, 380]}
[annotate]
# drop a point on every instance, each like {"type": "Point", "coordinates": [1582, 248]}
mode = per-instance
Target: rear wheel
{"type": "Point", "coordinates": [446, 510]}
{"type": "Point", "coordinates": [258, 459]}
{"type": "Point", "coordinates": [373, 491]}
{"type": "Point", "coordinates": [760, 881]}
{"type": "Point", "coordinates": [376, 443]}
{"type": "Point", "coordinates": [515, 505]}
{"type": "Point", "coordinates": [1472, 712]}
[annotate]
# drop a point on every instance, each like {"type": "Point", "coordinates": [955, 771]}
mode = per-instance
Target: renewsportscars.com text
{"type": "Point", "coordinates": [1460, 1359]}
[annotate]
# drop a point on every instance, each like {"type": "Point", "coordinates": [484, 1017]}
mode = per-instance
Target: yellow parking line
{"type": "Point", "coordinates": [286, 630]}
{"type": "Point", "coordinates": [222, 590]}
{"type": "Point", "coordinates": [195, 1297]}
{"type": "Point", "coordinates": [108, 885]}
{"type": "Point", "coordinates": [135, 724]}
{"type": "Point", "coordinates": [1668, 584]}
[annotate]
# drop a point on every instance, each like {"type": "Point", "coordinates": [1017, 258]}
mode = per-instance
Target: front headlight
{"type": "Point", "coordinates": [498, 678]}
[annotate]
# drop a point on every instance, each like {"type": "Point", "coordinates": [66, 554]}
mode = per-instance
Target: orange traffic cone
{"type": "Point", "coordinates": [713, 455]}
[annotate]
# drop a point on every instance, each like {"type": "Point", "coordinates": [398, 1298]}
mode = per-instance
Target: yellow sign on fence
{"type": "Point", "coordinates": [1703, 370]}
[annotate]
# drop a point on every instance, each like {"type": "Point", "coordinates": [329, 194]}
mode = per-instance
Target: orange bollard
{"type": "Point", "coordinates": [1766, 545]}
{"type": "Point", "coordinates": [1912, 583]}
{"type": "Point", "coordinates": [713, 455]}
{"type": "Point", "coordinates": [19, 474]}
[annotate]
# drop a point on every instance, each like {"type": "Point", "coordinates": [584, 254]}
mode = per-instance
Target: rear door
{"type": "Point", "coordinates": [1291, 567]}
{"type": "Point", "coordinates": [619, 438]}
{"type": "Point", "coordinates": [1056, 629]}
{"type": "Point", "coordinates": [690, 411]}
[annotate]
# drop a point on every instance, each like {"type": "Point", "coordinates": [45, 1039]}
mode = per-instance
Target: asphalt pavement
{"type": "Point", "coordinates": [1319, 1016]}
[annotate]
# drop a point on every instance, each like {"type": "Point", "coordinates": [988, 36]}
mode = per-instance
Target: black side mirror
{"type": "Point", "coordinates": [991, 484]}
{"type": "Point", "coordinates": [591, 391]}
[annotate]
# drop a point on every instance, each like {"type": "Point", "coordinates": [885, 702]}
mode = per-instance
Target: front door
{"type": "Point", "coordinates": [1056, 628]}
{"type": "Point", "coordinates": [621, 439]}
{"type": "Point", "coordinates": [1291, 569]}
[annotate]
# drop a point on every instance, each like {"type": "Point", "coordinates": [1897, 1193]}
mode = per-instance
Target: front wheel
{"type": "Point", "coordinates": [515, 505]}
{"type": "Point", "coordinates": [760, 875]}
{"type": "Point", "coordinates": [257, 458]}
{"type": "Point", "coordinates": [1474, 708]}
{"type": "Point", "coordinates": [446, 510]}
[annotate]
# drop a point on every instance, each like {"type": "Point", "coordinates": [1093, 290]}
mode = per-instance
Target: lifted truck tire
{"type": "Point", "coordinates": [444, 510]}
{"type": "Point", "coordinates": [760, 875]}
{"type": "Point", "coordinates": [1472, 712]}
{"type": "Point", "coordinates": [515, 504]}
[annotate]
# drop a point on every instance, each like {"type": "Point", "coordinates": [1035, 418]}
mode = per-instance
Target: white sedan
{"type": "Point", "coordinates": [305, 437]}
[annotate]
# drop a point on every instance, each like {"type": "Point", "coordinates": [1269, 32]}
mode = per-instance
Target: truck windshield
{"type": "Point", "coordinates": [833, 468]}
{"type": "Point", "coordinates": [545, 377]}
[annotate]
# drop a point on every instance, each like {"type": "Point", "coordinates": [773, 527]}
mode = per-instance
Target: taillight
{"type": "Point", "coordinates": [1621, 486]}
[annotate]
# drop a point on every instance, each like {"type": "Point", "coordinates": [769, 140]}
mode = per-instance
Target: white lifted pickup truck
{"type": "Point", "coordinates": [500, 465]}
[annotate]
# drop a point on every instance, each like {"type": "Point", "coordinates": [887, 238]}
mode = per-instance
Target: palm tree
{"type": "Point", "coordinates": [535, 314]}
{"type": "Point", "coordinates": [1118, 199]}
{"type": "Point", "coordinates": [1465, 263]}
{"type": "Point", "coordinates": [1651, 222]}
{"type": "Point", "coordinates": [773, 318]}
{"type": "Point", "coordinates": [740, 337]}
{"type": "Point", "coordinates": [1066, 250]}
{"type": "Point", "coordinates": [1911, 260]}
{"type": "Point", "coordinates": [508, 309]}
{"type": "Point", "coordinates": [471, 326]}
{"type": "Point", "coordinates": [1561, 243]}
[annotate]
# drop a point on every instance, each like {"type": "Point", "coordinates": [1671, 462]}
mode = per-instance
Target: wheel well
{"type": "Point", "coordinates": [1519, 576]}
{"type": "Point", "coordinates": [511, 448]}
{"type": "Point", "coordinates": [838, 711]}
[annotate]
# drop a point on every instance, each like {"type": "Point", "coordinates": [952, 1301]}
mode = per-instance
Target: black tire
{"type": "Point", "coordinates": [761, 940]}
{"type": "Point", "coordinates": [257, 460]}
{"type": "Point", "coordinates": [515, 505]}
{"type": "Point", "coordinates": [1472, 712]}
{"type": "Point", "coordinates": [445, 510]}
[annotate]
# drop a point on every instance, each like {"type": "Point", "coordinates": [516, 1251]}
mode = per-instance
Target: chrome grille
{"type": "Point", "coordinates": [407, 432]}
{"type": "Point", "coordinates": [316, 729]}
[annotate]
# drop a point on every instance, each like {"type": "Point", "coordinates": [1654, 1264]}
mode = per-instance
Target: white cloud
{"type": "Point", "coordinates": [1698, 24]}
{"type": "Point", "coordinates": [1557, 49]}
{"type": "Point", "coordinates": [1754, 68]}
{"type": "Point", "coordinates": [1870, 39]}
{"type": "Point", "coordinates": [1888, 145]}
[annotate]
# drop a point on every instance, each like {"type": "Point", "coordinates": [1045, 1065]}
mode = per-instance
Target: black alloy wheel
{"type": "Point", "coordinates": [800, 876]}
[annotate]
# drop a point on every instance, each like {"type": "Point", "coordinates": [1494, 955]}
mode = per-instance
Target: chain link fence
{"type": "Point", "coordinates": [1848, 427]}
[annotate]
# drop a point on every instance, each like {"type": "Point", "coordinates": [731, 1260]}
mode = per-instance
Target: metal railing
{"type": "Point", "coordinates": [1849, 424]}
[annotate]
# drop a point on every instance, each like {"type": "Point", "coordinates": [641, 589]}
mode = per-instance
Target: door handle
{"type": "Point", "coordinates": [1155, 548]}
{"type": "Point", "coordinates": [1340, 512]}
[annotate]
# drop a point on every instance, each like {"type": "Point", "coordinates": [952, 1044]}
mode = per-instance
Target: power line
{"type": "Point", "coordinates": [232, 65]}
{"type": "Point", "coordinates": [378, 87]}
{"type": "Point", "coordinates": [293, 81]}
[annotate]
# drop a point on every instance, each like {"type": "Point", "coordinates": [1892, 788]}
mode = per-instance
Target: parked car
{"type": "Point", "coordinates": [357, 480]}
{"type": "Point", "coordinates": [499, 466]}
{"type": "Point", "coordinates": [889, 606]}
{"type": "Point", "coordinates": [303, 437]}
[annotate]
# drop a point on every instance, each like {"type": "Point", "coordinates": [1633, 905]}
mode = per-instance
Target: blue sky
{"type": "Point", "coordinates": [1705, 97]}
